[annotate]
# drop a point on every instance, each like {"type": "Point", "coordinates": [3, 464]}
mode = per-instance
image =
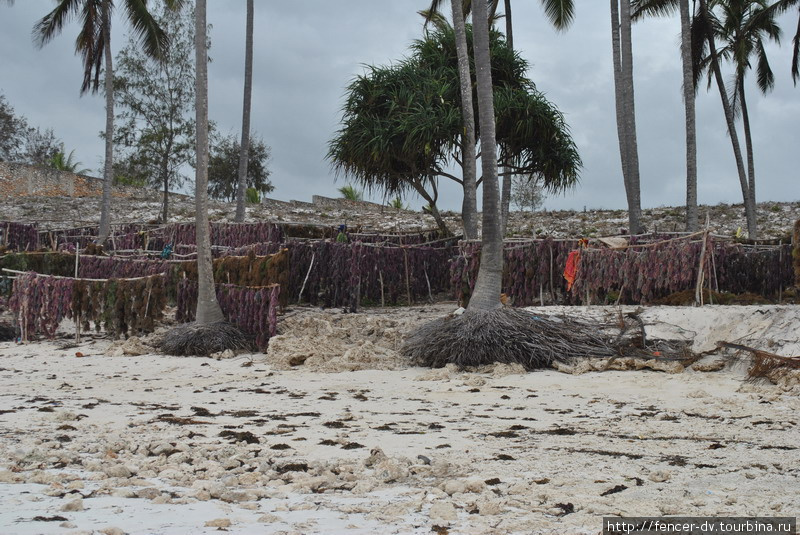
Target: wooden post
{"type": "Point", "coordinates": [780, 263]}
{"type": "Point", "coordinates": [698, 293]}
{"type": "Point", "coordinates": [303, 287]}
{"type": "Point", "coordinates": [380, 278]}
{"type": "Point", "coordinates": [408, 280]}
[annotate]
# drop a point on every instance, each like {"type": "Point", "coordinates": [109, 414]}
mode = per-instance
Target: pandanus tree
{"type": "Point", "coordinates": [403, 125]}
{"type": "Point", "coordinates": [94, 46]}
{"type": "Point", "coordinates": [560, 13]}
{"type": "Point", "coordinates": [486, 332]}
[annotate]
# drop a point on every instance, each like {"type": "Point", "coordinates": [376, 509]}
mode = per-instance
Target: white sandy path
{"type": "Point", "coordinates": [690, 444]}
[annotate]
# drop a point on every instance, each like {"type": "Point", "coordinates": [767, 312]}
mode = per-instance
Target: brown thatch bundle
{"type": "Point", "coordinates": [505, 335]}
{"type": "Point", "coordinates": [193, 339]}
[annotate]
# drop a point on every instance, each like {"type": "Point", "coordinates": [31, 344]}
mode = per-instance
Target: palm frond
{"type": "Point", "coordinates": [560, 12]}
{"type": "Point", "coordinates": [641, 9]}
{"type": "Point", "coordinates": [796, 54]}
{"type": "Point", "coordinates": [151, 37]}
{"type": "Point", "coordinates": [764, 75]}
{"type": "Point", "coordinates": [51, 24]}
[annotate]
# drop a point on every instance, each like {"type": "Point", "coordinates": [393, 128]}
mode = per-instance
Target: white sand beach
{"type": "Point", "coordinates": [347, 443]}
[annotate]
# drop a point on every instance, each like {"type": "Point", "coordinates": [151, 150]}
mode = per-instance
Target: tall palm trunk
{"type": "Point", "coordinates": [244, 150]}
{"type": "Point", "coordinates": [629, 110]}
{"type": "Point", "coordinates": [208, 310]}
{"type": "Point", "coordinates": [505, 197]}
{"type": "Point", "coordinates": [469, 207]}
{"type": "Point", "coordinates": [749, 208]}
{"type": "Point", "coordinates": [486, 295]}
{"type": "Point", "coordinates": [630, 176]}
{"type": "Point", "coordinates": [689, 110]}
{"type": "Point", "coordinates": [748, 144]}
{"type": "Point", "coordinates": [108, 166]}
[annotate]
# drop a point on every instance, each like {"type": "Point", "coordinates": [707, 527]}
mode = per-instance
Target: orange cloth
{"type": "Point", "coordinates": [571, 269]}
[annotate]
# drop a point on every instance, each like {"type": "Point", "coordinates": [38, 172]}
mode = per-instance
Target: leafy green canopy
{"type": "Point", "coordinates": [403, 123]}
{"type": "Point", "coordinates": [223, 167]}
{"type": "Point", "coordinates": [155, 106]}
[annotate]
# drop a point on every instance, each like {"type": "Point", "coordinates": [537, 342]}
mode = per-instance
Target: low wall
{"type": "Point", "coordinates": [22, 180]}
{"type": "Point", "coordinates": [344, 204]}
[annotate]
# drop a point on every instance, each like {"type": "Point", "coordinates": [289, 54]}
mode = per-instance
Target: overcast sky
{"type": "Point", "coordinates": [307, 51]}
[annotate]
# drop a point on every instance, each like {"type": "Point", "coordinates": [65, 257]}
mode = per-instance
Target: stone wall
{"type": "Point", "coordinates": [22, 180]}
{"type": "Point", "coordinates": [343, 204]}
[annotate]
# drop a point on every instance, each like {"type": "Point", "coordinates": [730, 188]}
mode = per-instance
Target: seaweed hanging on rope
{"type": "Point", "coordinates": [252, 310]}
{"type": "Point", "coordinates": [39, 303]}
{"type": "Point", "coordinates": [19, 236]}
{"type": "Point", "coordinates": [123, 307]}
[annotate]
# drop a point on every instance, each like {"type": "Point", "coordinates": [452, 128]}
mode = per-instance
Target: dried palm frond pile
{"type": "Point", "coordinates": [514, 336]}
{"type": "Point", "coordinates": [192, 339]}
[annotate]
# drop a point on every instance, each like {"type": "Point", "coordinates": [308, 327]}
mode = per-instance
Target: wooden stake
{"type": "Point", "coordinates": [380, 278]}
{"type": "Point", "coordinates": [408, 280]}
{"type": "Point", "coordinates": [303, 287]}
{"type": "Point", "coordinates": [698, 293]}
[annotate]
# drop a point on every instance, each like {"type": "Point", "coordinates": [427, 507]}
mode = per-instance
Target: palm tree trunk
{"type": "Point", "coordinates": [626, 64]}
{"type": "Point", "coordinates": [469, 207]}
{"type": "Point", "coordinates": [748, 144]}
{"type": "Point", "coordinates": [509, 25]}
{"type": "Point", "coordinates": [749, 209]}
{"type": "Point", "coordinates": [208, 310]}
{"type": "Point", "coordinates": [692, 223]}
{"type": "Point", "coordinates": [486, 295]}
{"type": "Point", "coordinates": [505, 195]}
{"type": "Point", "coordinates": [619, 104]}
{"type": "Point", "coordinates": [108, 166]}
{"type": "Point", "coordinates": [244, 150]}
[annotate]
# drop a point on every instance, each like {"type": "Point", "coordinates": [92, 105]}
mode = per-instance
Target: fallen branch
{"type": "Point", "coordinates": [764, 361]}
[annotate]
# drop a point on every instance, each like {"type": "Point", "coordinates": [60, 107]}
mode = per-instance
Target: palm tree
{"type": "Point", "coordinates": [209, 333]}
{"type": "Point", "coordinates": [689, 117]}
{"type": "Point", "coordinates": [707, 23]}
{"type": "Point", "coordinates": [350, 193]}
{"type": "Point", "coordinates": [777, 8]}
{"type": "Point", "coordinates": [469, 207]}
{"type": "Point", "coordinates": [248, 91]}
{"type": "Point", "coordinates": [560, 13]}
{"type": "Point", "coordinates": [661, 7]}
{"type": "Point", "coordinates": [485, 332]}
{"type": "Point", "coordinates": [622, 50]}
{"type": "Point", "coordinates": [745, 26]}
{"type": "Point", "coordinates": [486, 295]}
{"type": "Point", "coordinates": [208, 309]}
{"type": "Point", "coordinates": [62, 162]}
{"type": "Point", "coordinates": [94, 46]}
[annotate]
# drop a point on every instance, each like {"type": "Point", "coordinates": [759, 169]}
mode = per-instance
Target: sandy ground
{"type": "Point", "coordinates": [108, 443]}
